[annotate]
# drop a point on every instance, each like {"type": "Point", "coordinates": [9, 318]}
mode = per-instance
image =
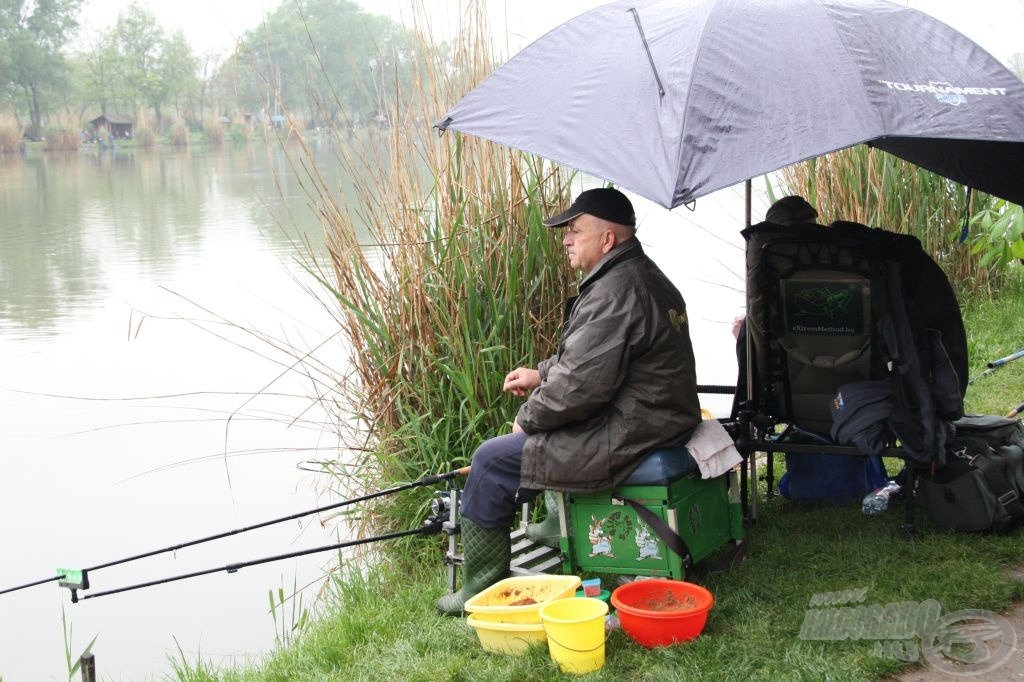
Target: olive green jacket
{"type": "Point", "coordinates": [622, 383]}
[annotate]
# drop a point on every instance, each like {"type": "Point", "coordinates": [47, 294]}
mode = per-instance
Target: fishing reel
{"type": "Point", "coordinates": [445, 505]}
{"type": "Point", "coordinates": [444, 508]}
{"type": "Point", "coordinates": [441, 505]}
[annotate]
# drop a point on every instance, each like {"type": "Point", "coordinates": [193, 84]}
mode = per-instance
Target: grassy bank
{"type": "Point", "coordinates": [384, 625]}
{"type": "Point", "coordinates": [994, 330]}
{"type": "Point", "coordinates": [387, 626]}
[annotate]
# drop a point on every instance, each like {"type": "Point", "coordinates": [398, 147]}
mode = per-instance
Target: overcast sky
{"type": "Point", "coordinates": [212, 25]}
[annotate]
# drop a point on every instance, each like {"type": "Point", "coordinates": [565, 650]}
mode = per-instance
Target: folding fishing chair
{"type": "Point", "coordinates": [827, 307]}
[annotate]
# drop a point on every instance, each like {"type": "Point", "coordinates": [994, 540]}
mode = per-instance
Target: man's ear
{"type": "Point", "coordinates": [610, 240]}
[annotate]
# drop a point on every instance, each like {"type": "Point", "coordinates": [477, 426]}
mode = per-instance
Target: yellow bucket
{"type": "Point", "coordinates": [518, 599]}
{"type": "Point", "coordinates": [575, 631]}
{"type": "Point", "coordinates": [507, 638]}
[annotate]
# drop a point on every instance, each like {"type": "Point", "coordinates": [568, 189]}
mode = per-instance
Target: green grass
{"type": "Point", "coordinates": [384, 626]}
{"type": "Point", "coordinates": [994, 330]}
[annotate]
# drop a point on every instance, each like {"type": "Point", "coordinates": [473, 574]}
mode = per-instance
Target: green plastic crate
{"type": "Point", "coordinates": [606, 536]}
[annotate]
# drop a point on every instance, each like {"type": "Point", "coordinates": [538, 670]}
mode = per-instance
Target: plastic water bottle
{"type": "Point", "coordinates": [877, 501]}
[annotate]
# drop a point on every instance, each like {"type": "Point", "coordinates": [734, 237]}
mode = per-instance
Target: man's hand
{"type": "Point", "coordinates": [521, 381]}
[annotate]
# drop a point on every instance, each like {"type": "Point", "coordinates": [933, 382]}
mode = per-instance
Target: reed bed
{"type": "Point", "coordinates": [145, 138]}
{"type": "Point", "coordinates": [178, 134]}
{"type": "Point", "coordinates": [867, 185]}
{"type": "Point", "coordinates": [445, 277]}
{"type": "Point", "coordinates": [145, 130]}
{"type": "Point", "coordinates": [213, 131]}
{"type": "Point", "coordinates": [61, 139]}
{"type": "Point", "coordinates": [239, 132]}
{"type": "Point", "coordinates": [10, 137]}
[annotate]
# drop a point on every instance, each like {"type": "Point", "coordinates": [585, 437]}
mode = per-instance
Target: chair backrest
{"type": "Point", "coordinates": [811, 319]}
{"type": "Point", "coordinates": [830, 306]}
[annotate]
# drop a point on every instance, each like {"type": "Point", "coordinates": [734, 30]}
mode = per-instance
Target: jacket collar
{"type": "Point", "coordinates": [627, 250]}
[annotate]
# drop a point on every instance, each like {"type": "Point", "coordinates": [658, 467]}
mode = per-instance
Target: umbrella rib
{"type": "Point", "coordinates": [647, 49]}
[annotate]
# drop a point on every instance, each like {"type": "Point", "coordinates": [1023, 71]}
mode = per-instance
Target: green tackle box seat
{"type": "Point", "coordinates": [603, 534]}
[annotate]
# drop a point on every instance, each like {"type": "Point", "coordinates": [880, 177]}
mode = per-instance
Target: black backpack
{"type": "Point", "coordinates": [832, 307]}
{"type": "Point", "coordinates": [981, 486]}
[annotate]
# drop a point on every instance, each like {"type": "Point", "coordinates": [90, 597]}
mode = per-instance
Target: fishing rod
{"type": "Point", "coordinates": [1009, 358]}
{"type": "Point", "coordinates": [1015, 411]}
{"type": "Point", "coordinates": [79, 578]}
{"type": "Point", "coordinates": [431, 525]}
{"type": "Point", "coordinates": [996, 364]}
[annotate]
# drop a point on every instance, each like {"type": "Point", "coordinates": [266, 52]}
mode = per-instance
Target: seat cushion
{"type": "Point", "coordinates": [661, 467]}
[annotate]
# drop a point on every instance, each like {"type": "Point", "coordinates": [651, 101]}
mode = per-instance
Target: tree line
{"type": "Point", "coordinates": [327, 62]}
{"type": "Point", "coordinates": [324, 61]}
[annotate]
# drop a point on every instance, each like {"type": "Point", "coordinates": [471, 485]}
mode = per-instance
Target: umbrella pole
{"type": "Point", "coordinates": [750, 363]}
{"type": "Point", "coordinates": [746, 203]}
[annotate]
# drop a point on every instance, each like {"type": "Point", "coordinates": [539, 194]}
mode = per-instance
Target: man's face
{"type": "Point", "coordinates": [585, 241]}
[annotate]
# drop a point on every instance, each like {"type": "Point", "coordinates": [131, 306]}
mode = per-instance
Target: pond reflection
{"type": "Point", "coordinates": [72, 221]}
{"type": "Point", "coordinates": [148, 296]}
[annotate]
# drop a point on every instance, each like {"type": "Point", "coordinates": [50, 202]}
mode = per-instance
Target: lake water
{"type": "Point", "coordinates": [132, 286]}
{"type": "Point", "coordinates": [130, 283]}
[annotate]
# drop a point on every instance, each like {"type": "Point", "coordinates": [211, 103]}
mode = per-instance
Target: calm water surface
{"type": "Point", "coordinates": [129, 283]}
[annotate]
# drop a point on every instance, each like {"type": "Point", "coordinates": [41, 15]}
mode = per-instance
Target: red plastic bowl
{"type": "Point", "coordinates": [661, 612]}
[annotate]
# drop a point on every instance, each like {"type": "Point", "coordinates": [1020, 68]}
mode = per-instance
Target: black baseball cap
{"type": "Point", "coordinates": [603, 202]}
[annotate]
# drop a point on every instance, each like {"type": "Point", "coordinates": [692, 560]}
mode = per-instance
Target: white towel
{"type": "Point", "coordinates": [713, 450]}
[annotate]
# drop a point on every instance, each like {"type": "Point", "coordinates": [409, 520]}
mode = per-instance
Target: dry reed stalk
{"type": "Point", "coordinates": [10, 136]}
{"type": "Point", "coordinates": [460, 284]}
{"type": "Point", "coordinates": [61, 140]}
{"type": "Point", "coordinates": [62, 134]}
{"type": "Point", "coordinates": [179, 134]}
{"type": "Point", "coordinates": [213, 130]}
{"type": "Point", "coordinates": [868, 186]}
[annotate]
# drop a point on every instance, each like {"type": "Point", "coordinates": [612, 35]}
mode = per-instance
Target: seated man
{"type": "Point", "coordinates": [622, 384]}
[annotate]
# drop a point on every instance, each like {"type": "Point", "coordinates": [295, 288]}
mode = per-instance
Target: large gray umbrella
{"type": "Point", "coordinates": [676, 99]}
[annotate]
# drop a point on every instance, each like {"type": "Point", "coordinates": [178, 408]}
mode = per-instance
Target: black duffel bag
{"type": "Point", "coordinates": [981, 486]}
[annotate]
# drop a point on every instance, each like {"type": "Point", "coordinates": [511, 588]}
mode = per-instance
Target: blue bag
{"type": "Point", "coordinates": [832, 479]}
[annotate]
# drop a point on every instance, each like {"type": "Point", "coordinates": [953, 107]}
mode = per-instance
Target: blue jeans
{"type": "Point", "coordinates": [492, 495]}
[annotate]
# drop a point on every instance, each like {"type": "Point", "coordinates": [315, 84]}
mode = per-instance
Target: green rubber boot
{"type": "Point", "coordinates": [548, 531]}
{"type": "Point", "coordinates": [486, 556]}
